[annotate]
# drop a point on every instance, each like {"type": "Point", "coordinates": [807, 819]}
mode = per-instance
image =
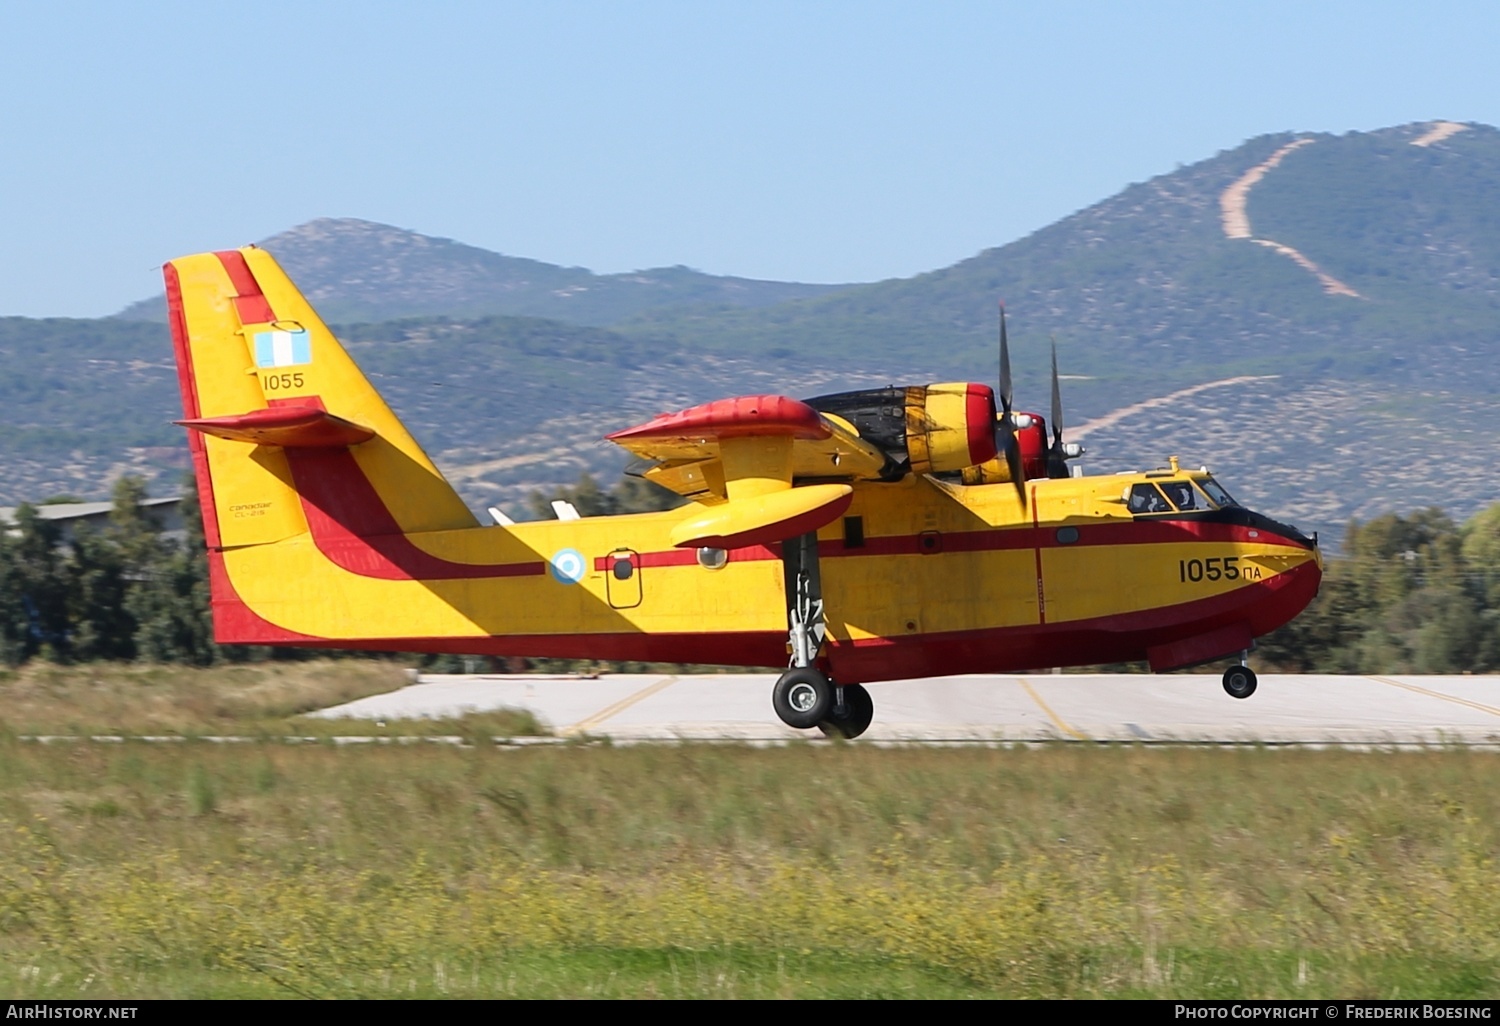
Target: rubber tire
{"type": "Point", "coordinates": [1239, 682]}
{"type": "Point", "coordinates": [811, 692]}
{"type": "Point", "coordinates": [859, 710]}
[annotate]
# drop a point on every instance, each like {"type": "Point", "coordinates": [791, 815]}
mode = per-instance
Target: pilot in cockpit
{"type": "Point", "coordinates": [1144, 498]}
{"type": "Point", "coordinates": [1180, 493]}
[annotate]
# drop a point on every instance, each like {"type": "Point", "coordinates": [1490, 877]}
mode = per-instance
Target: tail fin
{"type": "Point", "coordinates": [284, 427]}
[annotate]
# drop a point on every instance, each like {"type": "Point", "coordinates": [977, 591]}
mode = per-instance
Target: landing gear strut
{"type": "Point", "coordinates": [1239, 681]}
{"type": "Point", "coordinates": [804, 696]}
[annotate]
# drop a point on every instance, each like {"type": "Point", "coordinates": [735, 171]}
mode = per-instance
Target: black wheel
{"type": "Point", "coordinates": [803, 697]}
{"type": "Point", "coordinates": [1239, 681]}
{"type": "Point", "coordinates": [859, 710]}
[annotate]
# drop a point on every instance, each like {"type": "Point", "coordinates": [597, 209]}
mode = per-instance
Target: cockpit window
{"type": "Point", "coordinates": [1144, 498]}
{"type": "Point", "coordinates": [1216, 493]}
{"type": "Point", "coordinates": [1182, 494]}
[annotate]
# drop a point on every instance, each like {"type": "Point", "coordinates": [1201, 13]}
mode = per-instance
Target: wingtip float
{"type": "Point", "coordinates": [856, 538]}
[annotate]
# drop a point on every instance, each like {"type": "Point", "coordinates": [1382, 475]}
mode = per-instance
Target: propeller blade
{"type": "Point", "coordinates": [1056, 402]}
{"type": "Point", "coordinates": [1058, 454]}
{"type": "Point", "coordinates": [1013, 462]}
{"type": "Point", "coordinates": [1011, 444]}
{"type": "Point", "coordinates": [1004, 366]}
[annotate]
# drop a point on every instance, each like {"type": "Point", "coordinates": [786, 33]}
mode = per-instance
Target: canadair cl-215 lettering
{"type": "Point", "coordinates": [855, 538]}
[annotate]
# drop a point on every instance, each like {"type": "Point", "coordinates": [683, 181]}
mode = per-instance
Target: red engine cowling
{"type": "Point", "coordinates": [1031, 439]}
{"type": "Point", "coordinates": [1033, 442]}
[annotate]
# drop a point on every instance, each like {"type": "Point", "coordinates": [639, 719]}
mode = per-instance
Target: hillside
{"type": "Point", "coordinates": [359, 271]}
{"type": "Point", "coordinates": [1148, 284]}
{"type": "Point", "coordinates": [1315, 316]}
{"type": "Point", "coordinates": [505, 404]}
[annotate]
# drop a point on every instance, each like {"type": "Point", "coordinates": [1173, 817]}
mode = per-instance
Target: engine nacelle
{"type": "Point", "coordinates": [922, 428]}
{"type": "Point", "coordinates": [949, 426]}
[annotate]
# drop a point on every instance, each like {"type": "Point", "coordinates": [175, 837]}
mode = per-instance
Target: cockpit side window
{"type": "Point", "coordinates": [1144, 498]}
{"type": "Point", "coordinates": [1181, 494]}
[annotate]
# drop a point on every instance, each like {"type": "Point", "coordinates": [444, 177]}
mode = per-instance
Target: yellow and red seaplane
{"type": "Point", "coordinates": [854, 538]}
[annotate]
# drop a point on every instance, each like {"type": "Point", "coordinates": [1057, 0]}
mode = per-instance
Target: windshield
{"type": "Point", "coordinates": [1216, 493]}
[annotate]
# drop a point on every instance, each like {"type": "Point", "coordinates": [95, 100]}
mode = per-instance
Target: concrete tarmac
{"type": "Point", "coordinates": [1310, 709]}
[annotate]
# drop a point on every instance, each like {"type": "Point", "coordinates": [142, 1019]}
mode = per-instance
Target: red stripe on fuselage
{"type": "Point", "coordinates": [1140, 532]}
{"type": "Point", "coordinates": [688, 557]}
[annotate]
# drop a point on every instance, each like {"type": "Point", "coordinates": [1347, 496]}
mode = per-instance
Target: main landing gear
{"type": "Point", "coordinates": [805, 696]}
{"type": "Point", "coordinates": [1239, 681]}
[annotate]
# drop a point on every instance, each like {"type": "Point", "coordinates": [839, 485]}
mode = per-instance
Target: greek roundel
{"type": "Point", "coordinates": [568, 566]}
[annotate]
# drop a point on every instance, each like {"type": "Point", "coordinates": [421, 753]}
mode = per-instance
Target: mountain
{"type": "Point", "coordinates": [1357, 254]}
{"type": "Point", "coordinates": [1316, 316]}
{"type": "Point", "coordinates": [360, 271]}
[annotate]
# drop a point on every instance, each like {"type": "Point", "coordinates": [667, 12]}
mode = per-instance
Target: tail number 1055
{"type": "Point", "coordinates": [1215, 568]}
{"type": "Point", "coordinates": [281, 382]}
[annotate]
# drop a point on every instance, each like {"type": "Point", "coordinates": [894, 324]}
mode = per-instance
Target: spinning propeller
{"type": "Point", "coordinates": [1009, 442]}
{"type": "Point", "coordinates": [1059, 452]}
{"type": "Point", "coordinates": [1056, 455]}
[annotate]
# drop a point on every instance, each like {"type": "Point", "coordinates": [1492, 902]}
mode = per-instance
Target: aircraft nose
{"type": "Point", "coordinates": [1286, 531]}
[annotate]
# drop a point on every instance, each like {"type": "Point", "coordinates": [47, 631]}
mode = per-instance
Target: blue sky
{"type": "Point", "coordinates": [812, 141]}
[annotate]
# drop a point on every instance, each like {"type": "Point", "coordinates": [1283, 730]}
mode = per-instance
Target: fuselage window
{"type": "Point", "coordinates": [1144, 498]}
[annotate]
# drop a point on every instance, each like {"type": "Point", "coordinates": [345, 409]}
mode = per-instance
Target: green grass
{"type": "Point", "coordinates": [142, 870]}
{"type": "Point", "coordinates": [266, 700]}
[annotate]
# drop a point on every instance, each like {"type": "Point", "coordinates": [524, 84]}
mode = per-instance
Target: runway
{"type": "Point", "coordinates": [1319, 710]}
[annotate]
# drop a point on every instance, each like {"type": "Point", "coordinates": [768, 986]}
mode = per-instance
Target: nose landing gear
{"type": "Point", "coordinates": [1240, 681]}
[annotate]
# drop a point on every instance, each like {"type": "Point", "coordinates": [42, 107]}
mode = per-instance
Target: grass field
{"type": "Point", "coordinates": [268, 869]}
{"type": "Point", "coordinates": [265, 700]}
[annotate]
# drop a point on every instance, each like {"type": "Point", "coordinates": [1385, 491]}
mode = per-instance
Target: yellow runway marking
{"type": "Point", "coordinates": [1057, 720]}
{"type": "Point", "coordinates": [1438, 694]}
{"type": "Point", "coordinates": [613, 710]}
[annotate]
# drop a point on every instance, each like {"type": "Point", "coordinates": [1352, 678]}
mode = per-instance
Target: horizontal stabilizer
{"type": "Point", "coordinates": [297, 427]}
{"type": "Point", "coordinates": [764, 519]}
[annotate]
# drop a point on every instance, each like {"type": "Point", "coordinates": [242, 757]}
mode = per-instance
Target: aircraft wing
{"type": "Point", "coordinates": [687, 446]}
{"type": "Point", "coordinates": [767, 467]}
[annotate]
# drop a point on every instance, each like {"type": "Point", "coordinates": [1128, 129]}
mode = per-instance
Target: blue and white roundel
{"type": "Point", "coordinates": [568, 566]}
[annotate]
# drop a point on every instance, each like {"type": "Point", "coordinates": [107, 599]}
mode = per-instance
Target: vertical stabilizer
{"type": "Point", "coordinates": [286, 428]}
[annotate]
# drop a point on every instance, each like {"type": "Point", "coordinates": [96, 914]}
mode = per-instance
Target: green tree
{"type": "Point", "coordinates": [100, 621]}
{"type": "Point", "coordinates": [171, 601]}
{"type": "Point", "coordinates": [1405, 596]}
{"type": "Point", "coordinates": [38, 589]}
